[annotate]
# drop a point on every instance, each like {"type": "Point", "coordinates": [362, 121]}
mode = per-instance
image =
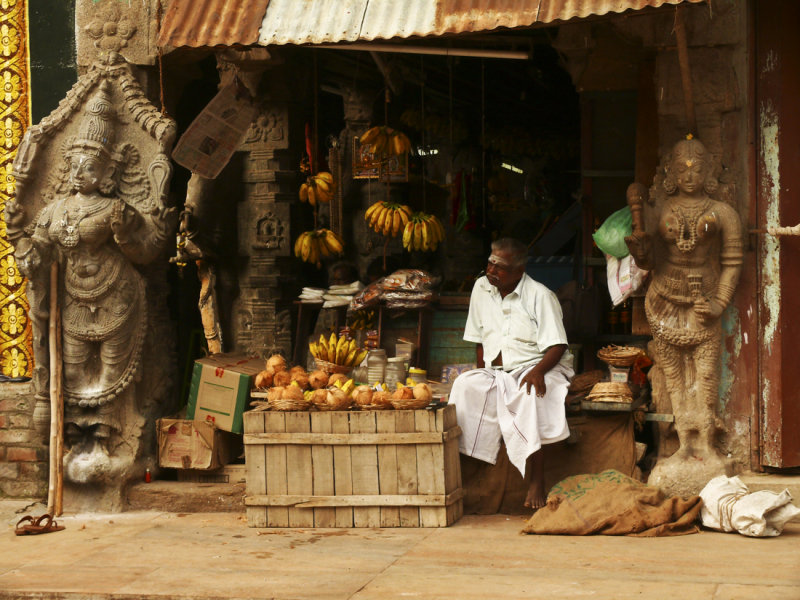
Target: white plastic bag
{"type": "Point", "coordinates": [728, 506]}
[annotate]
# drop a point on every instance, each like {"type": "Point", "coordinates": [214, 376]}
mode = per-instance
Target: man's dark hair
{"type": "Point", "coordinates": [516, 249]}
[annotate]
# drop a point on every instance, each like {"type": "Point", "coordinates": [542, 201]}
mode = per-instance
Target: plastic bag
{"type": "Point", "coordinates": [727, 506]}
{"type": "Point", "coordinates": [610, 236]}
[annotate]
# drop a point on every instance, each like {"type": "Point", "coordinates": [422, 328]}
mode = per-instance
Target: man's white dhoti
{"type": "Point", "coordinates": [490, 404]}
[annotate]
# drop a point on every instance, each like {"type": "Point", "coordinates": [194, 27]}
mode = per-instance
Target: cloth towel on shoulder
{"type": "Point", "coordinates": [610, 503]}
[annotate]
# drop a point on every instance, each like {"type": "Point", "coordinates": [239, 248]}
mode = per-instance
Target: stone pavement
{"type": "Point", "coordinates": [151, 554]}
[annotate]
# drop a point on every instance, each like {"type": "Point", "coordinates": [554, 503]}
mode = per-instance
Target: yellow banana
{"type": "Point", "coordinates": [425, 235]}
{"type": "Point", "coordinates": [303, 193]}
{"type": "Point", "coordinates": [298, 244]}
{"type": "Point", "coordinates": [369, 136]}
{"type": "Point", "coordinates": [324, 250]}
{"type": "Point", "coordinates": [380, 219]}
{"type": "Point", "coordinates": [312, 195]}
{"type": "Point", "coordinates": [334, 242]}
{"type": "Point", "coordinates": [348, 361]}
{"type": "Point", "coordinates": [313, 254]}
{"type": "Point", "coordinates": [403, 216]}
{"type": "Point", "coordinates": [340, 345]}
{"type": "Point", "coordinates": [322, 347]}
{"type": "Point", "coordinates": [396, 221]}
{"type": "Point", "coordinates": [408, 234]}
{"type": "Point", "coordinates": [305, 247]}
{"type": "Point", "coordinates": [418, 235]}
{"type": "Point", "coordinates": [362, 354]}
{"type": "Point", "coordinates": [332, 347]}
{"type": "Point", "coordinates": [371, 210]}
{"type": "Point", "coordinates": [325, 176]}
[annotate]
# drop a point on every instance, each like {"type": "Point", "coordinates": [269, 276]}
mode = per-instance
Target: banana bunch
{"type": "Point", "coordinates": [388, 218]}
{"type": "Point", "coordinates": [422, 232]}
{"type": "Point", "coordinates": [363, 319]}
{"type": "Point", "coordinates": [313, 246]}
{"type": "Point", "coordinates": [318, 188]}
{"type": "Point", "coordinates": [383, 141]}
{"type": "Point", "coordinates": [337, 350]}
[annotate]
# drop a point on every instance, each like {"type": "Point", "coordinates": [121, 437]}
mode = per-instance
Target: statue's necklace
{"type": "Point", "coordinates": [69, 235]}
{"type": "Point", "coordinates": [687, 224]}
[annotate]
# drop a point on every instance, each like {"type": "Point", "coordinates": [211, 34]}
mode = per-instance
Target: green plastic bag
{"type": "Point", "coordinates": [610, 236]}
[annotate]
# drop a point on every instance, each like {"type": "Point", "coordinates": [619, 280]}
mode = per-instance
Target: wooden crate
{"type": "Point", "coordinates": [390, 468]}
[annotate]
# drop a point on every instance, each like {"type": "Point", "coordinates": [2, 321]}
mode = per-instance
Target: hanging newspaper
{"type": "Point", "coordinates": [212, 138]}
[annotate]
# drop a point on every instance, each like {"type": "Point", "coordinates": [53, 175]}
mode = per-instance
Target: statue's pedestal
{"type": "Point", "coordinates": [686, 476]}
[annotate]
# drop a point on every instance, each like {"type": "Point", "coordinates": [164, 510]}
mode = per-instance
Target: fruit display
{"type": "Point", "coordinates": [385, 141]}
{"type": "Point", "coordinates": [337, 350]}
{"type": "Point", "coordinates": [313, 246]}
{"type": "Point", "coordinates": [388, 218]}
{"type": "Point", "coordinates": [318, 188]}
{"type": "Point", "coordinates": [422, 232]}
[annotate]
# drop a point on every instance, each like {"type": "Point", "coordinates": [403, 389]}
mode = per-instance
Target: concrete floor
{"type": "Point", "coordinates": [150, 554]}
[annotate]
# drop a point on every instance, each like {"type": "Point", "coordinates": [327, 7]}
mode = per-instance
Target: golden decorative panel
{"type": "Point", "coordinates": [16, 354]}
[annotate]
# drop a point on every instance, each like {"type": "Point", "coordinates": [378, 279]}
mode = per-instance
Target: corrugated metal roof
{"type": "Point", "coordinates": [198, 23]}
{"type": "Point", "coordinates": [267, 22]}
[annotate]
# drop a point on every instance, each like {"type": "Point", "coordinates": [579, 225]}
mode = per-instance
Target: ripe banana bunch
{"type": "Point", "coordinates": [363, 319]}
{"type": "Point", "coordinates": [422, 232]}
{"type": "Point", "coordinates": [337, 350]}
{"type": "Point", "coordinates": [313, 246]}
{"type": "Point", "coordinates": [385, 141]}
{"type": "Point", "coordinates": [387, 218]}
{"type": "Point", "coordinates": [318, 188]}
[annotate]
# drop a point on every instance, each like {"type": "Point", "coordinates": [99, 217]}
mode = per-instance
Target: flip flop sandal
{"type": "Point", "coordinates": [43, 524]}
{"type": "Point", "coordinates": [22, 529]}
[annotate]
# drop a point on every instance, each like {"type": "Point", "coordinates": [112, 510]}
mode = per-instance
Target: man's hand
{"type": "Point", "coordinates": [535, 378]}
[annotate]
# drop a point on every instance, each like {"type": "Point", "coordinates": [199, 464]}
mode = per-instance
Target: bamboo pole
{"type": "Point", "coordinates": [55, 489]}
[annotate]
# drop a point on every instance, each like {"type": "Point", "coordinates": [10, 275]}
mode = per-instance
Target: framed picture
{"type": "Point", "coordinates": [367, 166]}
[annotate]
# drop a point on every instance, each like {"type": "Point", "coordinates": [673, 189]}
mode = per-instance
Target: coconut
{"type": "Point", "coordinates": [422, 391]}
{"type": "Point", "coordinates": [381, 398]}
{"type": "Point", "coordinates": [318, 379]}
{"type": "Point", "coordinates": [275, 393]}
{"type": "Point", "coordinates": [301, 378]}
{"type": "Point", "coordinates": [337, 377]}
{"type": "Point", "coordinates": [292, 392]}
{"type": "Point", "coordinates": [362, 395]}
{"type": "Point", "coordinates": [281, 378]}
{"type": "Point", "coordinates": [263, 380]}
{"type": "Point", "coordinates": [319, 397]}
{"type": "Point", "coordinates": [403, 393]}
{"type": "Point", "coordinates": [297, 370]}
{"type": "Point", "coordinates": [276, 363]}
{"type": "Point", "coordinates": [337, 399]}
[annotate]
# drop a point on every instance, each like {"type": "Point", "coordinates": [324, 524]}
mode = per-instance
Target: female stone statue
{"type": "Point", "coordinates": [96, 234]}
{"type": "Point", "coordinates": [692, 244]}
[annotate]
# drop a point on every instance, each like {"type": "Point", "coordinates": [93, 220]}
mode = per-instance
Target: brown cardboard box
{"type": "Point", "coordinates": [185, 444]}
{"type": "Point", "coordinates": [220, 389]}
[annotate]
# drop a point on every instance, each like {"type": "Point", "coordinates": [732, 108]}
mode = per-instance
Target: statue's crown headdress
{"type": "Point", "coordinates": [96, 129]}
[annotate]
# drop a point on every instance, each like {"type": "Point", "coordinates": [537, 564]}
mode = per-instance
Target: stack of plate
{"type": "Point", "coordinates": [311, 295]}
{"type": "Point", "coordinates": [610, 391]}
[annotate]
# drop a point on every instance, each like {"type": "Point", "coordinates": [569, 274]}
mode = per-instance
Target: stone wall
{"type": "Point", "coordinates": [23, 458]}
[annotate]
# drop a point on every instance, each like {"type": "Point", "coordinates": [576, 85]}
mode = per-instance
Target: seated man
{"type": "Point", "coordinates": [524, 368]}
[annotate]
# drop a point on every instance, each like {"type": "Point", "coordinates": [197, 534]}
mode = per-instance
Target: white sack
{"type": "Point", "coordinates": [727, 506]}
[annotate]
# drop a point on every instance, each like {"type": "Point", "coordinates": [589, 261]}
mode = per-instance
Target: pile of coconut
{"type": "Point", "coordinates": [296, 389]}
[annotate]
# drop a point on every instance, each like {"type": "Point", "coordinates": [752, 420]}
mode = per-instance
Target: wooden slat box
{"type": "Point", "coordinates": [389, 468]}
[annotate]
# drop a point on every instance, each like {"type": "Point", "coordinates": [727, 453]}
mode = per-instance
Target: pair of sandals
{"type": "Point", "coordinates": [29, 525]}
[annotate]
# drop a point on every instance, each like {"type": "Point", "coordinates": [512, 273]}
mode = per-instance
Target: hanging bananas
{"type": "Point", "coordinates": [385, 141]}
{"type": "Point", "coordinates": [338, 350]}
{"type": "Point", "coordinates": [362, 319]}
{"type": "Point", "coordinates": [387, 218]}
{"type": "Point", "coordinates": [313, 246]}
{"type": "Point", "coordinates": [423, 232]}
{"type": "Point", "coordinates": [318, 188]}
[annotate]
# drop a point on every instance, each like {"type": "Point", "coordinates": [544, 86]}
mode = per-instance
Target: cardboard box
{"type": "Point", "coordinates": [220, 389]}
{"type": "Point", "coordinates": [185, 444]}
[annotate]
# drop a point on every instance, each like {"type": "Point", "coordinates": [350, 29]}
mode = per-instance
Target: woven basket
{"type": "Point", "coordinates": [619, 356]}
{"type": "Point", "coordinates": [330, 368]}
{"type": "Point", "coordinates": [584, 382]}
{"type": "Point", "coordinates": [376, 407]}
{"type": "Point", "coordinates": [289, 404]}
{"type": "Point", "coordinates": [610, 391]}
{"type": "Point", "coordinates": [409, 403]}
{"type": "Point", "coordinates": [343, 404]}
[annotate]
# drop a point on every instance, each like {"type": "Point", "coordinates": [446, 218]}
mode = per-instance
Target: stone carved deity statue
{"type": "Point", "coordinates": [692, 245]}
{"type": "Point", "coordinates": [91, 190]}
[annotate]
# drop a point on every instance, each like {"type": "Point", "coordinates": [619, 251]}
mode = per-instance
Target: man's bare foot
{"type": "Point", "coordinates": [536, 498]}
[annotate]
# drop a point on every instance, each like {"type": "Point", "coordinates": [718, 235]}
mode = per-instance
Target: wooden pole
{"type": "Point", "coordinates": [55, 489]}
